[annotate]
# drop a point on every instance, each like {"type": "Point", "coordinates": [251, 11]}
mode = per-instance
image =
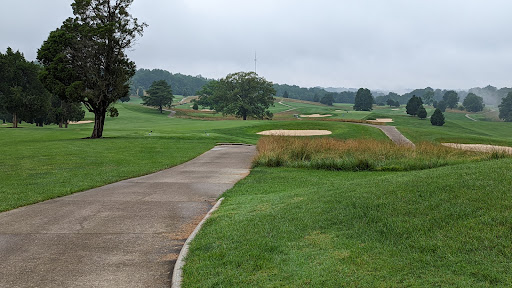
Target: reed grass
{"type": "Point", "coordinates": [359, 154]}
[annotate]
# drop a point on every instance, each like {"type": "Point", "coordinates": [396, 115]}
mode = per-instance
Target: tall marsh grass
{"type": "Point", "coordinates": [358, 154]}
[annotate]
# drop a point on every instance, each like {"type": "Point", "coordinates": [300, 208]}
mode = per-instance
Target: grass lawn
{"type": "Point", "coordinates": [286, 227]}
{"type": "Point", "coordinates": [43, 163]}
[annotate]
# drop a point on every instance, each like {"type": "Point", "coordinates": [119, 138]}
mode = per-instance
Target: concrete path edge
{"type": "Point", "coordinates": [177, 276]}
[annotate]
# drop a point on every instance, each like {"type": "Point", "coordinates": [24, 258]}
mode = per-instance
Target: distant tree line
{"type": "Point", "coordinates": [181, 84]}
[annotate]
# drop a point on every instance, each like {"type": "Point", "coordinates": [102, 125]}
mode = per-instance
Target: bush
{"type": "Point", "coordinates": [437, 118]}
{"type": "Point", "coordinates": [422, 113]}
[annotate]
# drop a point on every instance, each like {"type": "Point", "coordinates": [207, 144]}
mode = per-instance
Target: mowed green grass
{"type": "Point", "coordinates": [37, 164]}
{"type": "Point", "coordinates": [457, 129]}
{"type": "Point", "coordinates": [286, 227]}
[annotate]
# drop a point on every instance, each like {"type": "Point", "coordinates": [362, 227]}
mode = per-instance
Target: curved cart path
{"type": "Point", "coordinates": [393, 134]}
{"type": "Point", "coordinates": [126, 234]}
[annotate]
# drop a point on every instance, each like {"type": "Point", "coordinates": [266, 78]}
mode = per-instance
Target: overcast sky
{"type": "Point", "coordinates": [391, 45]}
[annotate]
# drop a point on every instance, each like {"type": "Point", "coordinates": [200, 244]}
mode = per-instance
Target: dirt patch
{"type": "Point", "coordinates": [295, 132]}
{"type": "Point", "coordinates": [81, 122]}
{"type": "Point", "coordinates": [315, 116]}
{"type": "Point", "coordinates": [381, 120]}
{"type": "Point", "coordinates": [480, 147]}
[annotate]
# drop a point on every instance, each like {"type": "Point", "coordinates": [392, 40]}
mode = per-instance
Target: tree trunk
{"type": "Point", "coordinates": [67, 122]}
{"type": "Point", "coordinates": [99, 122]}
{"type": "Point", "coordinates": [60, 122]}
{"type": "Point", "coordinates": [14, 121]}
{"type": "Point", "coordinates": [245, 116]}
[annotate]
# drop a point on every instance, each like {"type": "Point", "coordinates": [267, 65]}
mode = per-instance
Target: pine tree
{"type": "Point", "coordinates": [437, 119]}
{"type": "Point", "coordinates": [422, 113]}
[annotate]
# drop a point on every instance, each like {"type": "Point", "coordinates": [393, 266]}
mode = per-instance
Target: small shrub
{"type": "Point", "coordinates": [437, 119]}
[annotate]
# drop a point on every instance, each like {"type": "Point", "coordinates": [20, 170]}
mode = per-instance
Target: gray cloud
{"type": "Point", "coordinates": [392, 44]}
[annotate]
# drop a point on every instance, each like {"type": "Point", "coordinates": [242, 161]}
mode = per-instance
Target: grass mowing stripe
{"type": "Point", "coordinates": [449, 226]}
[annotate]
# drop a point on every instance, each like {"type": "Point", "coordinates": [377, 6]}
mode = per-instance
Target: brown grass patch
{"type": "Point", "coordinates": [357, 154]}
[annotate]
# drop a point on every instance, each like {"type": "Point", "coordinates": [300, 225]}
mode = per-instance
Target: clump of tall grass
{"type": "Point", "coordinates": [359, 154]}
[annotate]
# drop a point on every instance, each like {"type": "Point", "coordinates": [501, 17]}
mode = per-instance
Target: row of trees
{"type": "Point", "coordinates": [181, 84]}
{"type": "Point", "coordinates": [23, 96]}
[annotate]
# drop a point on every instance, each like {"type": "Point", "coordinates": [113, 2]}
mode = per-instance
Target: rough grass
{"type": "Point", "coordinates": [359, 154]}
{"type": "Point", "coordinates": [287, 227]}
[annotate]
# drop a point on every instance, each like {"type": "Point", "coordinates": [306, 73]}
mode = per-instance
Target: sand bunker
{"type": "Point", "coordinates": [206, 110]}
{"type": "Point", "coordinates": [480, 147]}
{"type": "Point", "coordinates": [295, 132]}
{"type": "Point", "coordinates": [382, 120]}
{"type": "Point", "coordinates": [395, 109]}
{"type": "Point", "coordinates": [81, 122]}
{"type": "Point", "coordinates": [315, 116]}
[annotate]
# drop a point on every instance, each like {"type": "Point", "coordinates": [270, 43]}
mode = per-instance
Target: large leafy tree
{"type": "Point", "coordinates": [85, 58]}
{"type": "Point", "coordinates": [243, 94]}
{"type": "Point", "coordinates": [473, 103]}
{"type": "Point", "coordinates": [451, 98]}
{"type": "Point", "coordinates": [328, 99]}
{"type": "Point", "coordinates": [159, 94]}
{"type": "Point", "coordinates": [506, 108]}
{"type": "Point", "coordinates": [413, 105]}
{"type": "Point", "coordinates": [364, 100]}
{"type": "Point", "coordinates": [21, 93]}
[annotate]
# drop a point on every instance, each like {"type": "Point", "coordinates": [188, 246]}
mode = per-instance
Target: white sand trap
{"type": "Point", "coordinates": [81, 122]}
{"type": "Point", "coordinates": [295, 132]}
{"type": "Point", "coordinates": [382, 120]}
{"type": "Point", "coordinates": [315, 116]}
{"type": "Point", "coordinates": [480, 147]}
{"type": "Point", "coordinates": [395, 109]}
{"type": "Point", "coordinates": [206, 110]}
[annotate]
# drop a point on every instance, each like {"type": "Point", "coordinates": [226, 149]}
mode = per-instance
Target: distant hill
{"type": "Point", "coordinates": [181, 84]}
{"type": "Point", "coordinates": [187, 85]}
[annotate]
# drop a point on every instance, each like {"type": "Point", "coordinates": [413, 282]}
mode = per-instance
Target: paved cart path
{"type": "Point", "coordinates": [126, 234]}
{"type": "Point", "coordinates": [393, 134]}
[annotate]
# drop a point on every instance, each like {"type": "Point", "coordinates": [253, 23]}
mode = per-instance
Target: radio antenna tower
{"type": "Point", "coordinates": [255, 62]}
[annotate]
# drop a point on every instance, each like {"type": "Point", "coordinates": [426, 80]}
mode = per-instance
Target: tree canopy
{"type": "Point", "coordinates": [327, 99]}
{"type": "Point", "coordinates": [451, 98]}
{"type": "Point", "coordinates": [422, 113]}
{"type": "Point", "coordinates": [21, 93]}
{"type": "Point", "coordinates": [243, 94]}
{"type": "Point", "coordinates": [413, 105]}
{"type": "Point", "coordinates": [473, 103]}
{"type": "Point", "coordinates": [85, 58]}
{"type": "Point", "coordinates": [159, 95]}
{"type": "Point", "coordinates": [437, 119]}
{"type": "Point", "coordinates": [363, 100]}
{"type": "Point", "coordinates": [506, 108]}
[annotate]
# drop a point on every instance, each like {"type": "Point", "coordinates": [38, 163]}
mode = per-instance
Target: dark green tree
{"type": "Point", "coordinates": [195, 106]}
{"type": "Point", "coordinates": [243, 94]}
{"type": "Point", "coordinates": [364, 100]}
{"type": "Point", "coordinates": [316, 98]}
{"type": "Point", "coordinates": [422, 113]}
{"type": "Point", "coordinates": [473, 103]}
{"type": "Point", "coordinates": [506, 108]}
{"type": "Point", "coordinates": [327, 99]}
{"type": "Point", "coordinates": [441, 105]}
{"type": "Point", "coordinates": [413, 105]}
{"type": "Point", "coordinates": [285, 94]}
{"type": "Point", "coordinates": [437, 119]}
{"type": "Point", "coordinates": [21, 93]}
{"type": "Point", "coordinates": [451, 98]}
{"type": "Point", "coordinates": [159, 95]}
{"type": "Point", "coordinates": [85, 58]}
{"type": "Point", "coordinates": [61, 112]}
